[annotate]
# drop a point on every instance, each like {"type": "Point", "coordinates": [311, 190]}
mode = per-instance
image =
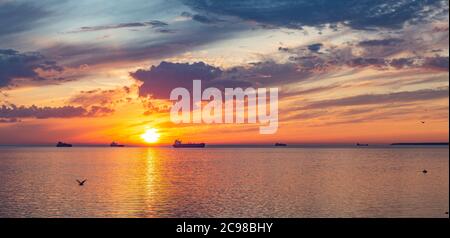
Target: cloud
{"type": "Point", "coordinates": [370, 99]}
{"type": "Point", "coordinates": [96, 111]}
{"type": "Point", "coordinates": [153, 24]}
{"type": "Point", "coordinates": [101, 97]}
{"type": "Point", "coordinates": [283, 49]}
{"type": "Point", "coordinates": [398, 112]}
{"type": "Point", "coordinates": [8, 112]}
{"type": "Point", "coordinates": [315, 90]}
{"type": "Point", "coordinates": [17, 17]}
{"type": "Point", "coordinates": [181, 40]}
{"type": "Point", "coordinates": [201, 18]}
{"type": "Point", "coordinates": [438, 63]}
{"type": "Point", "coordinates": [14, 64]}
{"type": "Point", "coordinates": [402, 62]}
{"type": "Point", "coordinates": [366, 62]}
{"type": "Point", "coordinates": [154, 106]}
{"type": "Point", "coordinates": [304, 63]}
{"type": "Point", "coordinates": [160, 80]}
{"type": "Point", "coordinates": [9, 120]}
{"type": "Point", "coordinates": [315, 47]}
{"type": "Point", "coordinates": [360, 14]}
{"type": "Point", "coordinates": [382, 42]}
{"type": "Point", "coordinates": [380, 53]}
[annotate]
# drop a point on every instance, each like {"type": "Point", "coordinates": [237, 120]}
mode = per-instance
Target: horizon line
{"type": "Point", "coordinates": [229, 144]}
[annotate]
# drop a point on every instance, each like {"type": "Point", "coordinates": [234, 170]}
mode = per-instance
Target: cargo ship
{"type": "Point", "coordinates": [280, 144]}
{"type": "Point", "coordinates": [62, 144]}
{"type": "Point", "coordinates": [114, 144]}
{"type": "Point", "coordinates": [179, 144]}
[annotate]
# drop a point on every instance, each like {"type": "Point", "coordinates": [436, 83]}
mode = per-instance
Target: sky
{"type": "Point", "coordinates": [92, 72]}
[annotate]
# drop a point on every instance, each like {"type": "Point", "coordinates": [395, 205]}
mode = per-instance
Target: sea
{"type": "Point", "coordinates": [227, 181]}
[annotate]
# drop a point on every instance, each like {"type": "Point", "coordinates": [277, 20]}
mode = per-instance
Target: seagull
{"type": "Point", "coordinates": [81, 183]}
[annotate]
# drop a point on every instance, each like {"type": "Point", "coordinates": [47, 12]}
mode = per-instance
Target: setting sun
{"type": "Point", "coordinates": [151, 135]}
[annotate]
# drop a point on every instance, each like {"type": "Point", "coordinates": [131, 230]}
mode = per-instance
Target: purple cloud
{"type": "Point", "coordinates": [160, 80]}
{"type": "Point", "coordinates": [14, 112]}
{"type": "Point", "coordinates": [153, 24]}
{"type": "Point", "coordinates": [14, 64]}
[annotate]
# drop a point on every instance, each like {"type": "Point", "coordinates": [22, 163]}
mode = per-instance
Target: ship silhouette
{"type": "Point", "coordinates": [358, 144]}
{"type": "Point", "coordinates": [62, 144]}
{"type": "Point", "coordinates": [280, 144]}
{"type": "Point", "coordinates": [179, 144]}
{"type": "Point", "coordinates": [114, 144]}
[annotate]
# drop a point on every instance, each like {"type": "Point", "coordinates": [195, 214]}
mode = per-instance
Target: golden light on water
{"type": "Point", "coordinates": [150, 136]}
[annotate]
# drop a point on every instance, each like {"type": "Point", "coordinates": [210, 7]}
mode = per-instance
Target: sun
{"type": "Point", "coordinates": [151, 135]}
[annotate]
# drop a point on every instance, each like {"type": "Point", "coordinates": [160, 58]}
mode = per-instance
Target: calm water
{"type": "Point", "coordinates": [224, 182]}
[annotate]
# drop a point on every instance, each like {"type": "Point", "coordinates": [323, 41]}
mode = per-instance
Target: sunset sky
{"type": "Point", "coordinates": [90, 72]}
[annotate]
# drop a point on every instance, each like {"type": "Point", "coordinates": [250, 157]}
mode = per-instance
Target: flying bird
{"type": "Point", "coordinates": [422, 122]}
{"type": "Point", "coordinates": [81, 183]}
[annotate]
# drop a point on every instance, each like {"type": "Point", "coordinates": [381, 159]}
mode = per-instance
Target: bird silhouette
{"type": "Point", "coordinates": [424, 171]}
{"type": "Point", "coordinates": [422, 122]}
{"type": "Point", "coordinates": [81, 183]}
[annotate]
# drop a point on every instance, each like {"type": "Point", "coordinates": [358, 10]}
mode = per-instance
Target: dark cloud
{"type": "Point", "coordinates": [283, 49]}
{"type": "Point", "coordinates": [402, 62]}
{"type": "Point", "coordinates": [160, 80]}
{"type": "Point", "coordinates": [14, 64]}
{"type": "Point", "coordinates": [371, 99]}
{"type": "Point", "coordinates": [165, 30]}
{"type": "Point", "coordinates": [13, 111]}
{"type": "Point", "coordinates": [314, 62]}
{"type": "Point", "coordinates": [270, 73]}
{"type": "Point", "coordinates": [359, 14]}
{"type": "Point", "coordinates": [315, 47]}
{"type": "Point", "coordinates": [382, 42]}
{"type": "Point", "coordinates": [438, 63]}
{"type": "Point", "coordinates": [153, 24]}
{"type": "Point", "coordinates": [202, 18]}
{"type": "Point", "coordinates": [18, 17]}
{"type": "Point", "coordinates": [366, 62]}
{"type": "Point", "coordinates": [381, 59]}
{"type": "Point", "coordinates": [305, 63]}
{"type": "Point", "coordinates": [180, 41]}
{"type": "Point", "coordinates": [76, 55]}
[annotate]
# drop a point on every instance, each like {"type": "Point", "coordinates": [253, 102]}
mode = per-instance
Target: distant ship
{"type": "Point", "coordinates": [114, 144]}
{"type": "Point", "coordinates": [62, 144]}
{"type": "Point", "coordinates": [179, 144]}
{"type": "Point", "coordinates": [280, 144]}
{"type": "Point", "coordinates": [358, 144]}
